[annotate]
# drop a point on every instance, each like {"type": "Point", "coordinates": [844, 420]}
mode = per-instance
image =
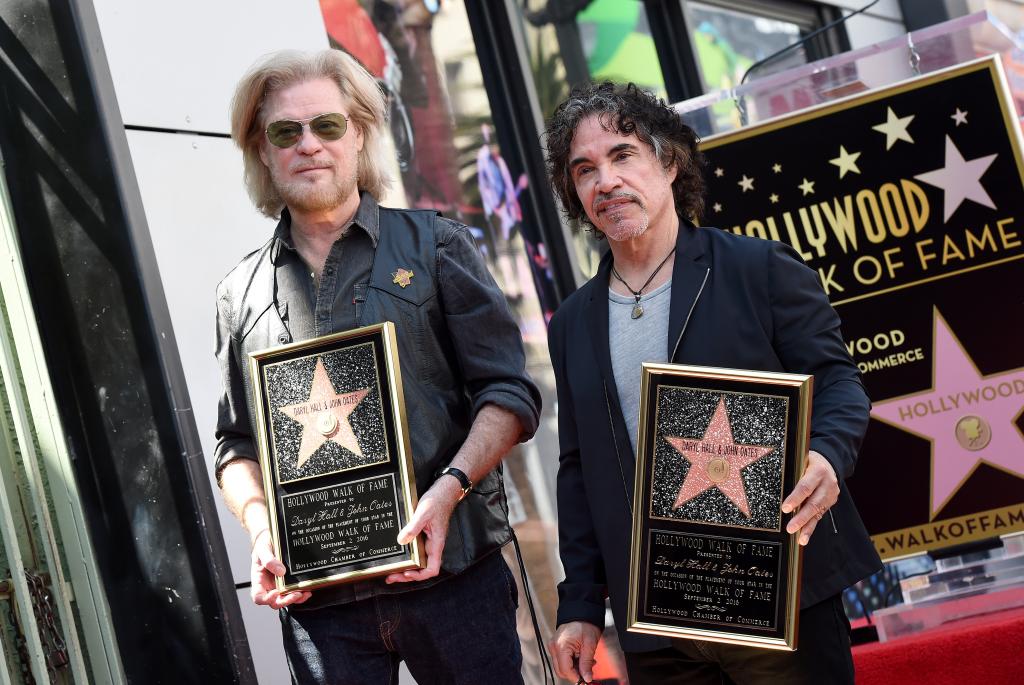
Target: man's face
{"type": "Point", "coordinates": [312, 175]}
{"type": "Point", "coordinates": [622, 185]}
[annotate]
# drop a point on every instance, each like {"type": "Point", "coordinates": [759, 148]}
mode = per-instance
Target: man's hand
{"type": "Point", "coordinates": [573, 649]}
{"type": "Point", "coordinates": [814, 495]}
{"type": "Point", "coordinates": [265, 567]}
{"type": "Point", "coordinates": [431, 518]}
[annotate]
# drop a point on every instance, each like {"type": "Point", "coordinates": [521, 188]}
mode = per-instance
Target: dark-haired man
{"type": "Point", "coordinates": [624, 163]}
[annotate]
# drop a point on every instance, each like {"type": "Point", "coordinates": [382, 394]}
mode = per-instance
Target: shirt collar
{"type": "Point", "coordinates": [367, 217]}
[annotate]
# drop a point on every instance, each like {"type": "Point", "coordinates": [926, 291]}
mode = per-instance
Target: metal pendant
{"type": "Point", "coordinates": [638, 311]}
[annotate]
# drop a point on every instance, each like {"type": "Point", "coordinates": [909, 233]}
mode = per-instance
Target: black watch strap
{"type": "Point", "coordinates": [463, 479]}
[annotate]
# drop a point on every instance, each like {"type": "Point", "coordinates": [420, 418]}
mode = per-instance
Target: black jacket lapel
{"type": "Point", "coordinates": [689, 274]}
{"type": "Point", "coordinates": [596, 314]}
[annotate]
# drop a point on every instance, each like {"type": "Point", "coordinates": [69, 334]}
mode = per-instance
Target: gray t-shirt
{"type": "Point", "coordinates": [635, 341]}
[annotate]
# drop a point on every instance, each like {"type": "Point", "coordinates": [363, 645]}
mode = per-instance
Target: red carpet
{"type": "Point", "coordinates": [983, 650]}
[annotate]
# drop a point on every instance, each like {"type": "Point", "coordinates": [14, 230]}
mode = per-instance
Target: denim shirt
{"type": "Point", "coordinates": [335, 303]}
{"type": "Point", "coordinates": [459, 349]}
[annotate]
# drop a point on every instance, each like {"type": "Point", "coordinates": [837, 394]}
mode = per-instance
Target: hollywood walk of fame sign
{"type": "Point", "coordinates": [335, 457]}
{"type": "Point", "coordinates": [908, 201]}
{"type": "Point", "coordinates": [717, 451]}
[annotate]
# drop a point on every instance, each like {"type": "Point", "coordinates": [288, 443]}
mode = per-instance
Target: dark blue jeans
{"type": "Point", "coordinates": [462, 630]}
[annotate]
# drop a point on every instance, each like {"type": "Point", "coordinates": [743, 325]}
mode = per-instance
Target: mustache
{"type": "Point", "coordinates": [313, 164]}
{"type": "Point", "coordinates": [620, 195]}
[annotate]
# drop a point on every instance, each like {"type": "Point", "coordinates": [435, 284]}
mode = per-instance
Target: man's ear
{"type": "Point", "coordinates": [359, 138]}
{"type": "Point", "coordinates": [264, 157]}
{"type": "Point", "coordinates": [672, 171]}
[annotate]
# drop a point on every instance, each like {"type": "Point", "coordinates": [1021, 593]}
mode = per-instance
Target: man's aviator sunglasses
{"type": "Point", "coordinates": [326, 127]}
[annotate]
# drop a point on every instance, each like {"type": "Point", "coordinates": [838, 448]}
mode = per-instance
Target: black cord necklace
{"type": "Point", "coordinates": [638, 309]}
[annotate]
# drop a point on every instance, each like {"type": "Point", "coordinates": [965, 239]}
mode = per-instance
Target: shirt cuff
{"type": "Point", "coordinates": [229, 450]}
{"type": "Point", "coordinates": [514, 400]}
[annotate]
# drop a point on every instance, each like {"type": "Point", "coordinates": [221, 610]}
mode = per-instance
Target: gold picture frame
{"type": "Point", "coordinates": [718, 450]}
{"type": "Point", "coordinates": [335, 456]}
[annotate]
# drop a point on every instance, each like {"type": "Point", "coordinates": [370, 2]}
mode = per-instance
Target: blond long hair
{"type": "Point", "coordinates": [363, 97]}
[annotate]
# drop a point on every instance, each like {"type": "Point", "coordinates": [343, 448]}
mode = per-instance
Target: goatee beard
{"type": "Point", "coordinates": [614, 224]}
{"type": "Point", "coordinates": [306, 197]}
{"type": "Point", "coordinates": [625, 229]}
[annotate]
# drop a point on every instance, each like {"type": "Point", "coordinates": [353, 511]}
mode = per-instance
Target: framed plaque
{"type": "Point", "coordinates": [718, 451]}
{"type": "Point", "coordinates": [334, 452]}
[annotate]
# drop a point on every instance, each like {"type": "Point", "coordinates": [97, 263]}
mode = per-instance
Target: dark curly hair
{"type": "Point", "coordinates": [626, 109]}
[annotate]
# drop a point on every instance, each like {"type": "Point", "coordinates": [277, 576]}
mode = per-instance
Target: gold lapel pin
{"type": "Point", "coordinates": [402, 277]}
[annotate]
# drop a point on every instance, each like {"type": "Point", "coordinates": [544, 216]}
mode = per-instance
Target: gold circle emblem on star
{"type": "Point", "coordinates": [718, 470]}
{"type": "Point", "coordinates": [973, 432]}
{"type": "Point", "coordinates": [327, 424]}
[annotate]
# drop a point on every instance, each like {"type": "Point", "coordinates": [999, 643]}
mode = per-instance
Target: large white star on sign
{"type": "Point", "coordinates": [960, 179]}
{"type": "Point", "coordinates": [894, 128]}
{"type": "Point", "coordinates": [746, 183]}
{"type": "Point", "coordinates": [846, 161]}
{"type": "Point", "coordinates": [807, 187]}
{"type": "Point", "coordinates": [959, 117]}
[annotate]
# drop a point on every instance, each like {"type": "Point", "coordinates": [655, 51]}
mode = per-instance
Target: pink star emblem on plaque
{"type": "Point", "coordinates": [715, 462]}
{"type": "Point", "coordinates": [325, 416]}
{"type": "Point", "coordinates": [968, 418]}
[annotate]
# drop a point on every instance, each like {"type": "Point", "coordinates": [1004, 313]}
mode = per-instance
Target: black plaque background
{"type": "Point", "coordinates": [786, 566]}
{"type": "Point", "coordinates": [983, 307]}
{"type": "Point", "coordinates": [391, 466]}
{"type": "Point", "coordinates": [361, 527]}
{"type": "Point", "coordinates": [689, 586]}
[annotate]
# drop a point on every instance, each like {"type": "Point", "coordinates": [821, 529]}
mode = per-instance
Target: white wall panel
{"type": "Point", "coordinates": [881, 22]}
{"type": "Point", "coordinates": [867, 30]}
{"type": "Point", "coordinates": [202, 223]}
{"type": "Point", "coordinates": [175, 64]}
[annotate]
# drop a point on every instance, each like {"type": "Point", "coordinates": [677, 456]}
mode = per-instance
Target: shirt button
{"type": "Point", "coordinates": [282, 338]}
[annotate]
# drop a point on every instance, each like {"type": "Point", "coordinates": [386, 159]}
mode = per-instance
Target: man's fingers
{"type": "Point", "coordinates": [807, 530]}
{"type": "Point", "coordinates": [808, 512]}
{"type": "Point", "coordinates": [804, 487]}
{"type": "Point", "coordinates": [588, 650]}
{"type": "Point", "coordinates": [289, 598]}
{"type": "Point", "coordinates": [275, 567]}
{"type": "Point", "coordinates": [563, 655]}
{"type": "Point", "coordinates": [573, 651]}
{"type": "Point", "coordinates": [819, 474]}
{"type": "Point", "coordinates": [415, 525]}
{"type": "Point", "coordinates": [435, 550]}
{"type": "Point", "coordinates": [806, 520]}
{"type": "Point", "coordinates": [587, 660]}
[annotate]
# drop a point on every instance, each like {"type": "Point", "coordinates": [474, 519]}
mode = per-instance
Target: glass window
{"type": "Point", "coordinates": [618, 45]}
{"type": "Point", "coordinates": [727, 41]}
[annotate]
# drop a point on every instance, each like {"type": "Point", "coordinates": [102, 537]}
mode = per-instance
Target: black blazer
{"type": "Point", "coordinates": [778, 319]}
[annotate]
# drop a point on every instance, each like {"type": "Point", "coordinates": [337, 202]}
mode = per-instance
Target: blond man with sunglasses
{"type": "Point", "coordinates": [310, 129]}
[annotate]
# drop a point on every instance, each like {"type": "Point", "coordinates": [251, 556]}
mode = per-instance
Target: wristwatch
{"type": "Point", "coordinates": [463, 479]}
